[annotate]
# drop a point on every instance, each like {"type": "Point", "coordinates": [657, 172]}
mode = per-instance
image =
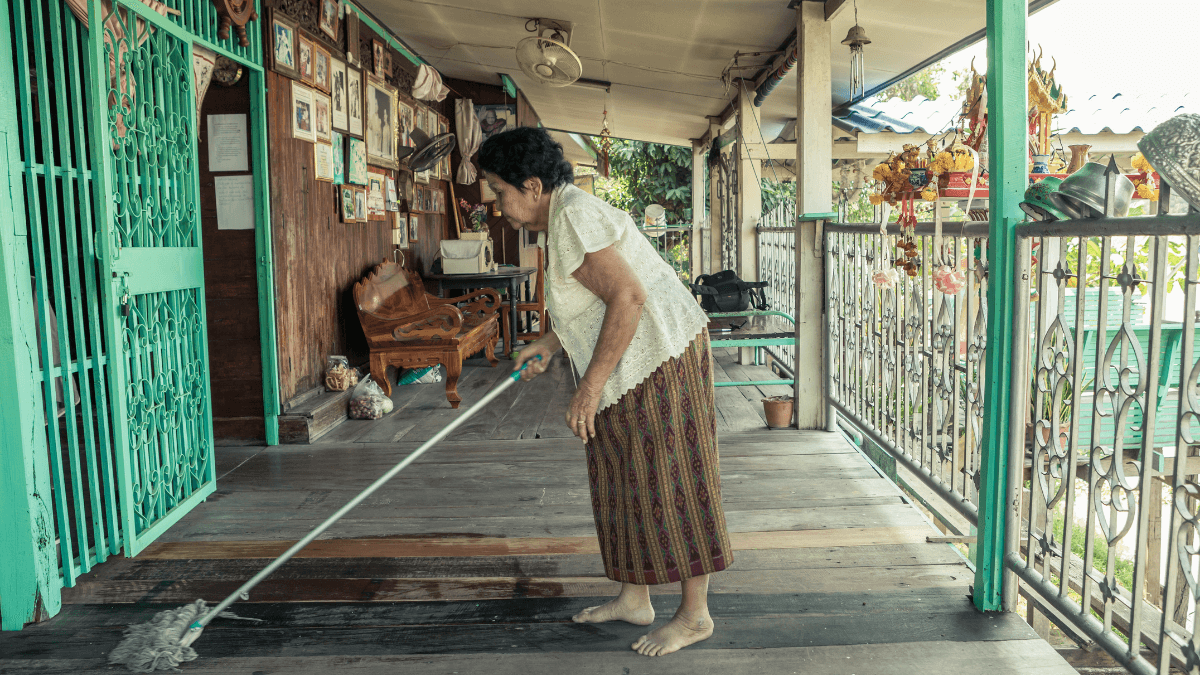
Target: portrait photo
{"type": "Point", "coordinates": [321, 117]}
{"type": "Point", "coordinates": [494, 119]}
{"type": "Point", "coordinates": [356, 166]}
{"type": "Point", "coordinates": [305, 59]}
{"type": "Point", "coordinates": [414, 227]}
{"type": "Point", "coordinates": [381, 124]}
{"type": "Point", "coordinates": [321, 69]}
{"type": "Point", "coordinates": [323, 162]}
{"type": "Point", "coordinates": [405, 120]}
{"type": "Point", "coordinates": [348, 205]}
{"type": "Point", "coordinates": [400, 229]}
{"type": "Point", "coordinates": [337, 92]}
{"type": "Point", "coordinates": [302, 113]}
{"type": "Point", "coordinates": [354, 101]}
{"type": "Point", "coordinates": [283, 45]}
{"type": "Point", "coordinates": [329, 18]}
{"type": "Point", "coordinates": [379, 53]}
{"type": "Point", "coordinates": [339, 158]}
{"type": "Point", "coordinates": [360, 205]}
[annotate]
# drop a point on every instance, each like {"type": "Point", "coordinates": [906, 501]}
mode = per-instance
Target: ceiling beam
{"type": "Point", "coordinates": [833, 8]}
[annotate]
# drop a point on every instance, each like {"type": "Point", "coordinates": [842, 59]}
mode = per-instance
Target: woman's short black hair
{"type": "Point", "coordinates": [523, 153]}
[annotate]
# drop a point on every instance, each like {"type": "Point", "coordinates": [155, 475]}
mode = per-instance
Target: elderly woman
{"type": "Point", "coordinates": [644, 404]}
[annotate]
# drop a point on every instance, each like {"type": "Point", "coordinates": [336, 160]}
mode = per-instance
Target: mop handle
{"type": "Point", "coordinates": [508, 382]}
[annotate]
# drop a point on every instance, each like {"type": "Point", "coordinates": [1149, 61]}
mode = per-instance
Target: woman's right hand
{"type": "Point", "coordinates": [545, 347]}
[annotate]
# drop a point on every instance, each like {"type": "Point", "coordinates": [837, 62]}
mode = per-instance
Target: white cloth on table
{"type": "Point", "coordinates": [581, 223]}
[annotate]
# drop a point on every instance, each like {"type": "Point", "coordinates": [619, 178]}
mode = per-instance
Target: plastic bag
{"type": "Point", "coordinates": [339, 376]}
{"type": "Point", "coordinates": [421, 375]}
{"type": "Point", "coordinates": [368, 402]}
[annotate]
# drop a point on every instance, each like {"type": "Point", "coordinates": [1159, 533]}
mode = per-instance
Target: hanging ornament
{"type": "Point", "coordinates": [605, 145]}
{"type": "Point", "coordinates": [855, 39]}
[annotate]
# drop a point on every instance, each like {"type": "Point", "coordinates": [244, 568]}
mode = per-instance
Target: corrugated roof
{"type": "Point", "coordinates": [1098, 113]}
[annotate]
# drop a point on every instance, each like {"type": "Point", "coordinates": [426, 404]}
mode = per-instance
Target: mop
{"type": "Point", "coordinates": [166, 641]}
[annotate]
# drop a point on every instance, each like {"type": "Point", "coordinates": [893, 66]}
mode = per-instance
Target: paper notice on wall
{"type": "Point", "coordinates": [235, 202]}
{"type": "Point", "coordinates": [227, 149]}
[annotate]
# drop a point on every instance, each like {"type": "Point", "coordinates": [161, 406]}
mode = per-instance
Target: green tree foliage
{"type": "Point", "coordinates": [642, 174]}
{"type": "Point", "coordinates": [926, 83]}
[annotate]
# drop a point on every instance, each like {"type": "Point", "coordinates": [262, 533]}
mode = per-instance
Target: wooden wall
{"type": "Point", "coordinates": [317, 257]}
{"type": "Point", "coordinates": [231, 293]}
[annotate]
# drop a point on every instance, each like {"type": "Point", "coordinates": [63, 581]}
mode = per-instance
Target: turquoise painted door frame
{"type": "Point", "coordinates": [30, 587]}
{"type": "Point", "coordinates": [1007, 145]}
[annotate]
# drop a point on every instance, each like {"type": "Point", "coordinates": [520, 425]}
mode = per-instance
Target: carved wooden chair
{"type": "Point", "coordinates": [407, 327]}
{"type": "Point", "coordinates": [538, 304]}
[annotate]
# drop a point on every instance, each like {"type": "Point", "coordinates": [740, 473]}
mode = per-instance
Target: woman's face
{"type": "Point", "coordinates": [529, 209]}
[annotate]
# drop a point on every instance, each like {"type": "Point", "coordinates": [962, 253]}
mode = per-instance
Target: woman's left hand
{"type": "Point", "coordinates": [581, 413]}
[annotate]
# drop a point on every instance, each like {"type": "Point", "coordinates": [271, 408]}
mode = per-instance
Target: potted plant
{"type": "Point", "coordinates": [475, 218]}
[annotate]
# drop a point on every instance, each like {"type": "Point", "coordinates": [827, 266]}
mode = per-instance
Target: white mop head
{"type": "Point", "coordinates": [158, 645]}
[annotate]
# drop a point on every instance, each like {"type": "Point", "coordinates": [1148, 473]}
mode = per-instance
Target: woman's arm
{"type": "Point", "coordinates": [610, 277]}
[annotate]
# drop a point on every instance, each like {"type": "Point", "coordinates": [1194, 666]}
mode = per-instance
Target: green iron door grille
{"type": "Point", "coordinates": [151, 255]}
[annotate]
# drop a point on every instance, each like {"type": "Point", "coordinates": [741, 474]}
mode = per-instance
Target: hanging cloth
{"type": "Point", "coordinates": [428, 86]}
{"type": "Point", "coordinates": [470, 137]}
{"type": "Point", "coordinates": [203, 62]}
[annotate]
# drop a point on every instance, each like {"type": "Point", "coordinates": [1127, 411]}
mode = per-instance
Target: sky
{"type": "Point", "coordinates": [1113, 46]}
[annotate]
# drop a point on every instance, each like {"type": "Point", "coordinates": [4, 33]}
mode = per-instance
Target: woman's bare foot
{"type": "Point", "coordinates": [624, 607]}
{"type": "Point", "coordinates": [679, 632]}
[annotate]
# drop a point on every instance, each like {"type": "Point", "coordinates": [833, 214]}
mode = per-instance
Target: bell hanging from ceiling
{"type": "Point", "coordinates": [855, 39]}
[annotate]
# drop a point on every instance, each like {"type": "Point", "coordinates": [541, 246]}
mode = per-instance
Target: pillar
{"type": "Point", "coordinates": [714, 205]}
{"type": "Point", "coordinates": [814, 181]}
{"type": "Point", "coordinates": [699, 169]}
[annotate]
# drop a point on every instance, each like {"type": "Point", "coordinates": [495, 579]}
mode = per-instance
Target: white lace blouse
{"type": "Point", "coordinates": [581, 223]}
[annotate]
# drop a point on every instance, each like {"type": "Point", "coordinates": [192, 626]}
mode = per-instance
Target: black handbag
{"type": "Point", "coordinates": [725, 292]}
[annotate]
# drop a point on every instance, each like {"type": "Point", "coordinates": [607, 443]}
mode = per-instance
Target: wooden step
{"type": "Point", "coordinates": [314, 417]}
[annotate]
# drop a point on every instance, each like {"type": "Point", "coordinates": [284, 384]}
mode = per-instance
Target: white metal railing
{"type": "Point", "coordinates": [1104, 461]}
{"type": "Point", "coordinates": [906, 362]}
{"type": "Point", "coordinates": [673, 244]}
{"type": "Point", "coordinates": [777, 267]}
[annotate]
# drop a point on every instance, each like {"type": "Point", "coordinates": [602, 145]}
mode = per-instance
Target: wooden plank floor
{"type": "Point", "coordinates": [475, 557]}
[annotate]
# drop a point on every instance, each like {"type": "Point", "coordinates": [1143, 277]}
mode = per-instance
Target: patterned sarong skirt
{"type": "Point", "coordinates": [655, 476]}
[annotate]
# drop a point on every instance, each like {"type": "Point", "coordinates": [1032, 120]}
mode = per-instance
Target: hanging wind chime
{"type": "Point", "coordinates": [855, 39]}
{"type": "Point", "coordinates": [605, 145]}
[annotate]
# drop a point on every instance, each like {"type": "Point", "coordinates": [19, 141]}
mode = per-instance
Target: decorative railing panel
{"type": "Point", "coordinates": [1108, 535]}
{"type": "Point", "coordinates": [777, 267]}
{"type": "Point", "coordinates": [674, 245]}
{"type": "Point", "coordinates": [906, 359]}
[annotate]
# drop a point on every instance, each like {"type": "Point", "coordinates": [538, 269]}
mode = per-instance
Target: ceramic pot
{"type": "Point", "coordinates": [1079, 157]}
{"type": "Point", "coordinates": [778, 410]}
{"type": "Point", "coordinates": [1173, 149]}
{"type": "Point", "coordinates": [1041, 164]}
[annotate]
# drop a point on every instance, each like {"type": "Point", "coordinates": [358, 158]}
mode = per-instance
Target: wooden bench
{"type": "Point", "coordinates": [409, 328]}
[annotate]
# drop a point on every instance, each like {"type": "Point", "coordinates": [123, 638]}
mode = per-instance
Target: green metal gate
{"type": "Point", "coordinates": [150, 252]}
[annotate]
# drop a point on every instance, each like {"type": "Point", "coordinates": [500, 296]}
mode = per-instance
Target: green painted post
{"type": "Point", "coordinates": [1008, 176]}
{"type": "Point", "coordinates": [30, 587]}
{"type": "Point", "coordinates": [262, 249]}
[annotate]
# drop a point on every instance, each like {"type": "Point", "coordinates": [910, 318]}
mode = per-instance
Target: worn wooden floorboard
{"type": "Point", "coordinates": [474, 558]}
{"type": "Point", "coordinates": [934, 657]}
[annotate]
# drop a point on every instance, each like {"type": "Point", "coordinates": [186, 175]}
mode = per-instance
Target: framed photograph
{"type": "Point", "coordinates": [329, 18]}
{"type": "Point", "coordinates": [321, 119]}
{"type": "Point", "coordinates": [379, 58]}
{"type": "Point", "coordinates": [444, 164]}
{"type": "Point", "coordinates": [302, 113]}
{"type": "Point", "coordinates": [381, 124]}
{"type": "Point", "coordinates": [356, 168]}
{"type": "Point", "coordinates": [400, 229]}
{"type": "Point", "coordinates": [376, 196]}
{"type": "Point", "coordinates": [337, 92]}
{"type": "Point", "coordinates": [305, 59]}
{"type": "Point", "coordinates": [321, 69]}
{"type": "Point", "coordinates": [405, 120]}
{"type": "Point", "coordinates": [347, 194]}
{"type": "Point", "coordinates": [283, 45]}
{"type": "Point", "coordinates": [405, 187]}
{"type": "Point", "coordinates": [360, 205]}
{"type": "Point", "coordinates": [391, 203]}
{"type": "Point", "coordinates": [323, 162]}
{"type": "Point", "coordinates": [339, 159]}
{"type": "Point", "coordinates": [494, 119]}
{"type": "Point", "coordinates": [414, 228]}
{"type": "Point", "coordinates": [351, 21]}
{"type": "Point", "coordinates": [485, 191]}
{"type": "Point", "coordinates": [354, 101]}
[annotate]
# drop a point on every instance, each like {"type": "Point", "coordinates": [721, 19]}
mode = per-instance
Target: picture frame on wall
{"type": "Point", "coordinates": [486, 194]}
{"type": "Point", "coordinates": [283, 46]}
{"type": "Point", "coordinates": [378, 58]}
{"type": "Point", "coordinates": [321, 118]}
{"type": "Point", "coordinates": [339, 158]}
{"type": "Point", "coordinates": [304, 62]}
{"type": "Point", "coordinates": [321, 69]}
{"type": "Point", "coordinates": [354, 102]}
{"type": "Point", "coordinates": [405, 121]}
{"type": "Point", "coordinates": [356, 166]}
{"type": "Point", "coordinates": [400, 229]}
{"type": "Point", "coordinates": [494, 119]}
{"type": "Point", "coordinates": [323, 162]}
{"type": "Point", "coordinates": [329, 18]}
{"type": "Point", "coordinates": [351, 23]}
{"type": "Point", "coordinates": [414, 228]}
{"type": "Point", "coordinates": [380, 124]}
{"type": "Point", "coordinates": [339, 114]}
{"type": "Point", "coordinates": [444, 163]}
{"type": "Point", "coordinates": [406, 187]}
{"type": "Point", "coordinates": [360, 205]}
{"type": "Point", "coordinates": [376, 197]}
{"type": "Point", "coordinates": [303, 126]}
{"type": "Point", "coordinates": [347, 194]}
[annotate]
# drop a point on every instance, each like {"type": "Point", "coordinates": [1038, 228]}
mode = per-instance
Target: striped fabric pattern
{"type": "Point", "coordinates": [655, 476]}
